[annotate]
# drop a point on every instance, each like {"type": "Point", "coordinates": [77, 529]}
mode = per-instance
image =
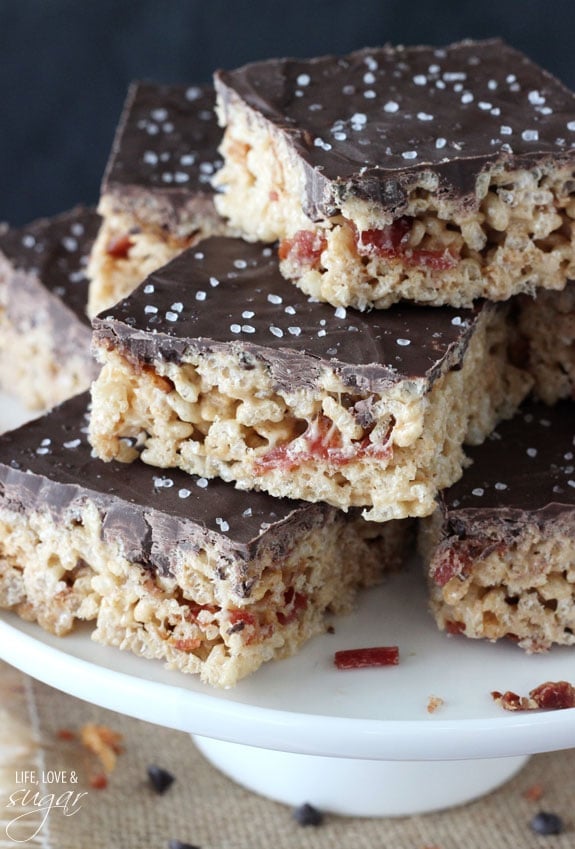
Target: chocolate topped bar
{"type": "Point", "coordinates": [401, 166]}
{"type": "Point", "coordinates": [166, 147]}
{"type": "Point", "coordinates": [526, 467]}
{"type": "Point", "coordinates": [229, 292]}
{"type": "Point", "coordinates": [45, 335]}
{"type": "Point", "coordinates": [49, 462]}
{"type": "Point", "coordinates": [212, 580]}
{"type": "Point", "coordinates": [54, 251]}
{"type": "Point", "coordinates": [156, 195]}
{"type": "Point", "coordinates": [216, 364]}
{"type": "Point", "coordinates": [501, 547]}
{"type": "Point", "coordinates": [369, 123]}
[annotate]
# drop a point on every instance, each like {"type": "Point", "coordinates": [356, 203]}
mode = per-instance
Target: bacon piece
{"type": "Point", "coordinates": [367, 657]}
{"type": "Point", "coordinates": [551, 695]}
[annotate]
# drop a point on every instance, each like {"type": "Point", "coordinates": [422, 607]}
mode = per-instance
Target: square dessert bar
{"type": "Point", "coordinates": [546, 325]}
{"type": "Point", "coordinates": [219, 366]}
{"type": "Point", "coordinates": [435, 175]}
{"type": "Point", "coordinates": [156, 196]}
{"type": "Point", "coordinates": [500, 549]}
{"type": "Point", "coordinates": [193, 572]}
{"type": "Point", "coordinates": [44, 333]}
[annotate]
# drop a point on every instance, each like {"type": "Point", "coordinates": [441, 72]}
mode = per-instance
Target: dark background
{"type": "Point", "coordinates": [66, 64]}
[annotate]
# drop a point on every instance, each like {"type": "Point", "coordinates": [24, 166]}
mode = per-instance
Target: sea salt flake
{"type": "Point", "coordinates": [440, 143]}
{"type": "Point", "coordinates": [184, 493]}
{"type": "Point", "coordinates": [340, 312]}
{"type": "Point", "coordinates": [150, 308]}
{"type": "Point", "coordinates": [303, 79]}
{"type": "Point", "coordinates": [391, 106]}
{"type": "Point", "coordinates": [403, 342]}
{"type": "Point", "coordinates": [214, 282]}
{"type": "Point", "coordinates": [530, 135]}
{"type": "Point", "coordinates": [531, 452]}
{"type": "Point", "coordinates": [177, 306]}
{"type": "Point", "coordinates": [276, 331]}
{"type": "Point", "coordinates": [275, 299]}
{"type": "Point", "coordinates": [571, 126]}
{"type": "Point", "coordinates": [500, 486]}
{"type": "Point", "coordinates": [409, 154]}
{"type": "Point", "coordinates": [248, 328]}
{"type": "Point", "coordinates": [420, 79]}
{"type": "Point", "coordinates": [240, 263]}
{"type": "Point", "coordinates": [478, 491]}
{"type": "Point", "coordinates": [248, 314]}
{"type": "Point", "coordinates": [295, 331]}
{"type": "Point", "coordinates": [236, 328]}
{"type": "Point", "coordinates": [424, 116]}
{"type": "Point", "coordinates": [73, 443]}
{"type": "Point", "coordinates": [200, 295]}
{"type": "Point", "coordinates": [202, 483]}
{"type": "Point", "coordinates": [162, 483]}
{"type": "Point", "coordinates": [171, 316]}
{"type": "Point", "coordinates": [505, 130]}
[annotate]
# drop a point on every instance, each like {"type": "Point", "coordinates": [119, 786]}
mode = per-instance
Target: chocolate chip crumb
{"type": "Point", "coordinates": [160, 778]}
{"type": "Point", "coordinates": [177, 844]}
{"type": "Point", "coordinates": [306, 814]}
{"type": "Point", "coordinates": [545, 823]}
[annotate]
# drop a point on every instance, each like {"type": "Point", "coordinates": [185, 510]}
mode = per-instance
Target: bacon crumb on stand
{"type": "Point", "coordinates": [367, 657]}
{"type": "Point", "coordinates": [551, 695]}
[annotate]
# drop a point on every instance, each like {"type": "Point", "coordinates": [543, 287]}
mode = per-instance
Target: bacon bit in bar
{"type": "Point", "coordinates": [454, 628]}
{"type": "Point", "coordinates": [392, 242]}
{"type": "Point", "coordinates": [304, 248]}
{"type": "Point", "coordinates": [366, 658]}
{"type": "Point", "coordinates": [294, 604]}
{"type": "Point", "coordinates": [321, 441]}
{"type": "Point", "coordinates": [552, 695]}
{"type": "Point", "coordinates": [119, 248]}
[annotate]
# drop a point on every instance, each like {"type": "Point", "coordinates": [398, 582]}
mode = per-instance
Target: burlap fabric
{"type": "Point", "coordinates": [204, 808]}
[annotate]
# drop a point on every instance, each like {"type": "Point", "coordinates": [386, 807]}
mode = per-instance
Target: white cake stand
{"type": "Point", "coordinates": [358, 743]}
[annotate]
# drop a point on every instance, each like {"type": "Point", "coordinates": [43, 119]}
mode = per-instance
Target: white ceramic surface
{"type": "Point", "coordinates": [352, 720]}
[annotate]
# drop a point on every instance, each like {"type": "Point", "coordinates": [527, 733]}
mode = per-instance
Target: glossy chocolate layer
{"type": "Point", "coordinates": [165, 145]}
{"type": "Point", "coordinates": [525, 471]}
{"type": "Point", "coordinates": [367, 124]}
{"type": "Point", "coordinates": [47, 260]}
{"type": "Point", "coordinates": [48, 464]}
{"type": "Point", "coordinates": [227, 293]}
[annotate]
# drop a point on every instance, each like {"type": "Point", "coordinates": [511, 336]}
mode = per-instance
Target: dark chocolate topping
{"type": "Point", "coordinates": [166, 143]}
{"type": "Point", "coordinates": [55, 251]}
{"type": "Point", "coordinates": [367, 124]}
{"type": "Point", "coordinates": [227, 292]}
{"type": "Point", "coordinates": [48, 463]}
{"type": "Point", "coordinates": [527, 466]}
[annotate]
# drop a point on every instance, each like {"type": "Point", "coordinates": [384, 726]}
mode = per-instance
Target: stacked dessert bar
{"type": "Point", "coordinates": [306, 357]}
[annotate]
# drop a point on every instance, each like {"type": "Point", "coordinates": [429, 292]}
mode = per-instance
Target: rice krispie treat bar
{"type": "Point", "coordinates": [500, 549]}
{"type": "Point", "coordinates": [156, 197]}
{"type": "Point", "coordinates": [44, 333]}
{"type": "Point", "coordinates": [219, 366]}
{"type": "Point", "coordinates": [208, 579]}
{"type": "Point", "coordinates": [546, 326]}
{"type": "Point", "coordinates": [435, 175]}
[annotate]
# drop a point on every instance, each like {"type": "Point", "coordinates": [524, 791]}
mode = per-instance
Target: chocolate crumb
{"type": "Point", "coordinates": [160, 778]}
{"type": "Point", "coordinates": [177, 844]}
{"type": "Point", "coordinates": [306, 814]}
{"type": "Point", "coordinates": [545, 823]}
